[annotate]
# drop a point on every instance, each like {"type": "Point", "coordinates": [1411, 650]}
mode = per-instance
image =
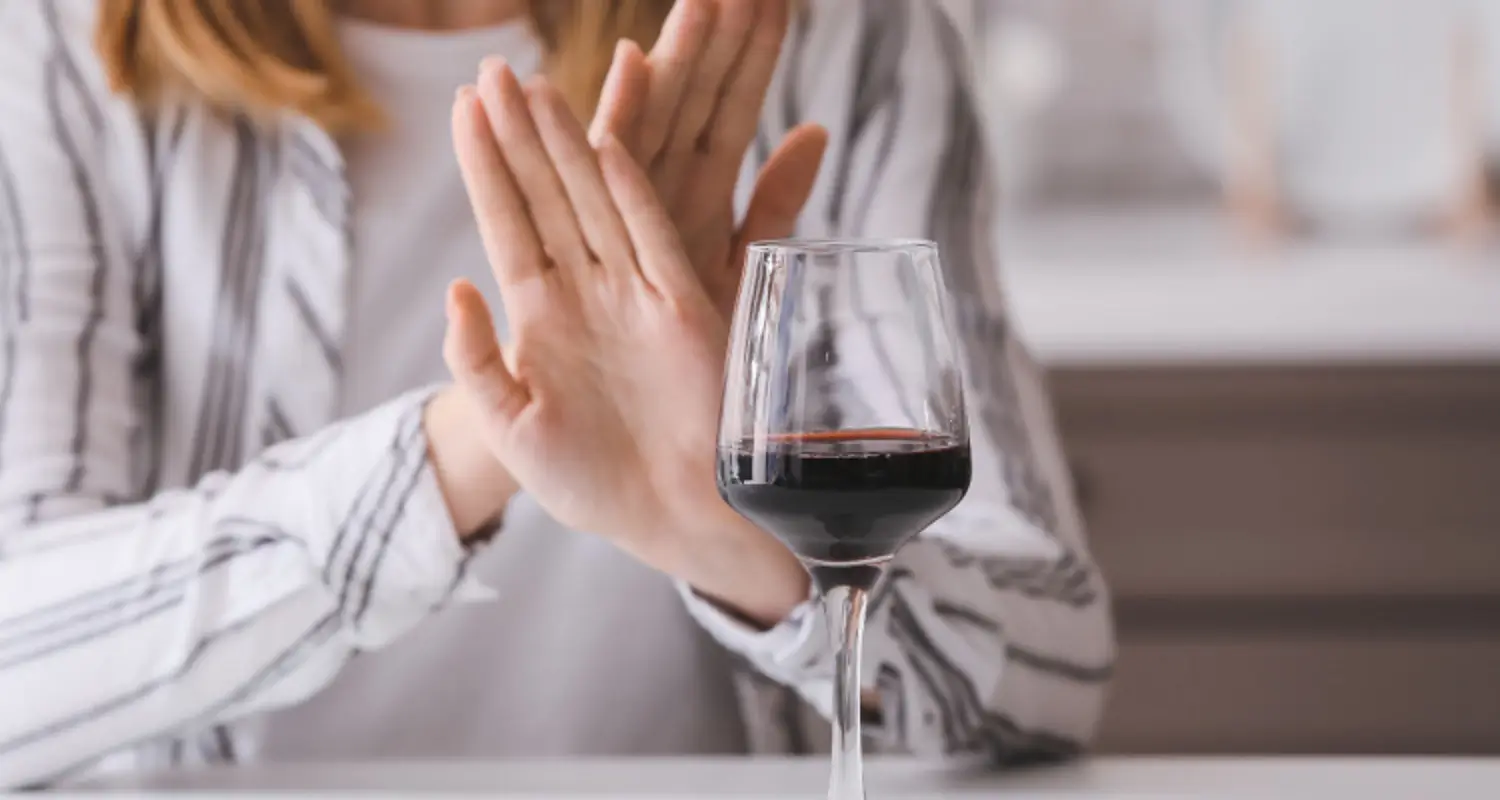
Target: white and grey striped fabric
{"type": "Point", "coordinates": [187, 537]}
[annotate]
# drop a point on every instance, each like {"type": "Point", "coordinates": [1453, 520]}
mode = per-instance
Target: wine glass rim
{"type": "Point", "coordinates": [843, 245]}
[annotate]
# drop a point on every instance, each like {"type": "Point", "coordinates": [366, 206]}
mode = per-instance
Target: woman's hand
{"type": "Point", "coordinates": [688, 113]}
{"type": "Point", "coordinates": [604, 405]}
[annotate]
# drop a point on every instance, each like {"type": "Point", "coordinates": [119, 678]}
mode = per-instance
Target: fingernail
{"type": "Point", "coordinates": [492, 64]}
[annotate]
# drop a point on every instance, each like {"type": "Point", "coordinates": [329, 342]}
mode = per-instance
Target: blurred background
{"type": "Point", "coordinates": [1254, 243]}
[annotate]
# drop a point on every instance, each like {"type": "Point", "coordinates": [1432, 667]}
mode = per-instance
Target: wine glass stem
{"type": "Point", "coordinates": [846, 615]}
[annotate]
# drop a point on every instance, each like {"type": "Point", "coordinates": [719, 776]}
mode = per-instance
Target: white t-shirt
{"type": "Point", "coordinates": [584, 643]}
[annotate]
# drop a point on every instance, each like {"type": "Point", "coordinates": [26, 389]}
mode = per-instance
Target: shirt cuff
{"type": "Point", "coordinates": [401, 545]}
{"type": "Point", "coordinates": [795, 653]}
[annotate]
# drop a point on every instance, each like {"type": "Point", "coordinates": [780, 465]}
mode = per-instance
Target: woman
{"type": "Point", "coordinates": [200, 279]}
{"type": "Point", "coordinates": [1344, 118]}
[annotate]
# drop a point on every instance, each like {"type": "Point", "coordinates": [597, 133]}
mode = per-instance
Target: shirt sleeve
{"type": "Point", "coordinates": [991, 632]}
{"type": "Point", "coordinates": [125, 617]}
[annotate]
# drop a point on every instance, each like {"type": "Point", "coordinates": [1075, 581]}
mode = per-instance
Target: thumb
{"type": "Point", "coordinates": [784, 185]}
{"type": "Point", "coordinates": [473, 355]}
{"type": "Point", "coordinates": [623, 98]}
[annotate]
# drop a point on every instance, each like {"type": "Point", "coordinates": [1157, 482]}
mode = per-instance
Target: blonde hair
{"type": "Point", "coordinates": [265, 56]}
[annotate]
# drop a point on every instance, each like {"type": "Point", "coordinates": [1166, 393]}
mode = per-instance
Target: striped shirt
{"type": "Point", "coordinates": [188, 537]}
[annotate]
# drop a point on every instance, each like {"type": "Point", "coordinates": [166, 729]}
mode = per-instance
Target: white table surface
{"type": "Point", "coordinates": [1179, 289]}
{"type": "Point", "coordinates": [1111, 778]}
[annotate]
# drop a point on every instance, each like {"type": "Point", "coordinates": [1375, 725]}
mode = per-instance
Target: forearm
{"type": "Point", "coordinates": [1008, 655]}
{"type": "Point", "coordinates": [245, 592]}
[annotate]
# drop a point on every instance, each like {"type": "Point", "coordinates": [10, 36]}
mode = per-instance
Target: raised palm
{"type": "Point", "coordinates": [604, 404]}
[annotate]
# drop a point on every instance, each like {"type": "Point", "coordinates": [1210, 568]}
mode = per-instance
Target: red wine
{"type": "Point", "coordinates": [844, 499]}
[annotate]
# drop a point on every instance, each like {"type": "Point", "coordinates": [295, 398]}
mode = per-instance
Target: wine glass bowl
{"type": "Point", "coordinates": [845, 501]}
{"type": "Point", "coordinates": [843, 431]}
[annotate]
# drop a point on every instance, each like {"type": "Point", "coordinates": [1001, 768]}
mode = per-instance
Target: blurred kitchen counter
{"type": "Point", "coordinates": [1290, 466]}
{"type": "Point", "coordinates": [1180, 288]}
{"type": "Point", "coordinates": [1368, 779]}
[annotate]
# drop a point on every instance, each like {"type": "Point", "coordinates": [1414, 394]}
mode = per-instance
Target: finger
{"type": "Point", "coordinates": [785, 184]}
{"type": "Point", "coordinates": [510, 239]}
{"type": "Point", "coordinates": [657, 245]}
{"type": "Point", "coordinates": [521, 147]}
{"type": "Point", "coordinates": [732, 127]}
{"type": "Point", "coordinates": [578, 166]}
{"type": "Point", "coordinates": [473, 355]}
{"type": "Point", "coordinates": [730, 130]}
{"type": "Point", "coordinates": [733, 25]}
{"type": "Point", "coordinates": [623, 98]}
{"type": "Point", "coordinates": [673, 59]}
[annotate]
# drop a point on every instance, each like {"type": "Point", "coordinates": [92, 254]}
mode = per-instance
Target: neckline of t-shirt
{"type": "Point", "coordinates": [398, 53]}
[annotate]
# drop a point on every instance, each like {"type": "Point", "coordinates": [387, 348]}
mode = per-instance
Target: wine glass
{"type": "Point", "coordinates": [843, 431]}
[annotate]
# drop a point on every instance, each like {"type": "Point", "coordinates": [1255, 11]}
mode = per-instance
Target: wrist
{"type": "Point", "coordinates": [474, 484]}
{"type": "Point", "coordinates": [743, 569]}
